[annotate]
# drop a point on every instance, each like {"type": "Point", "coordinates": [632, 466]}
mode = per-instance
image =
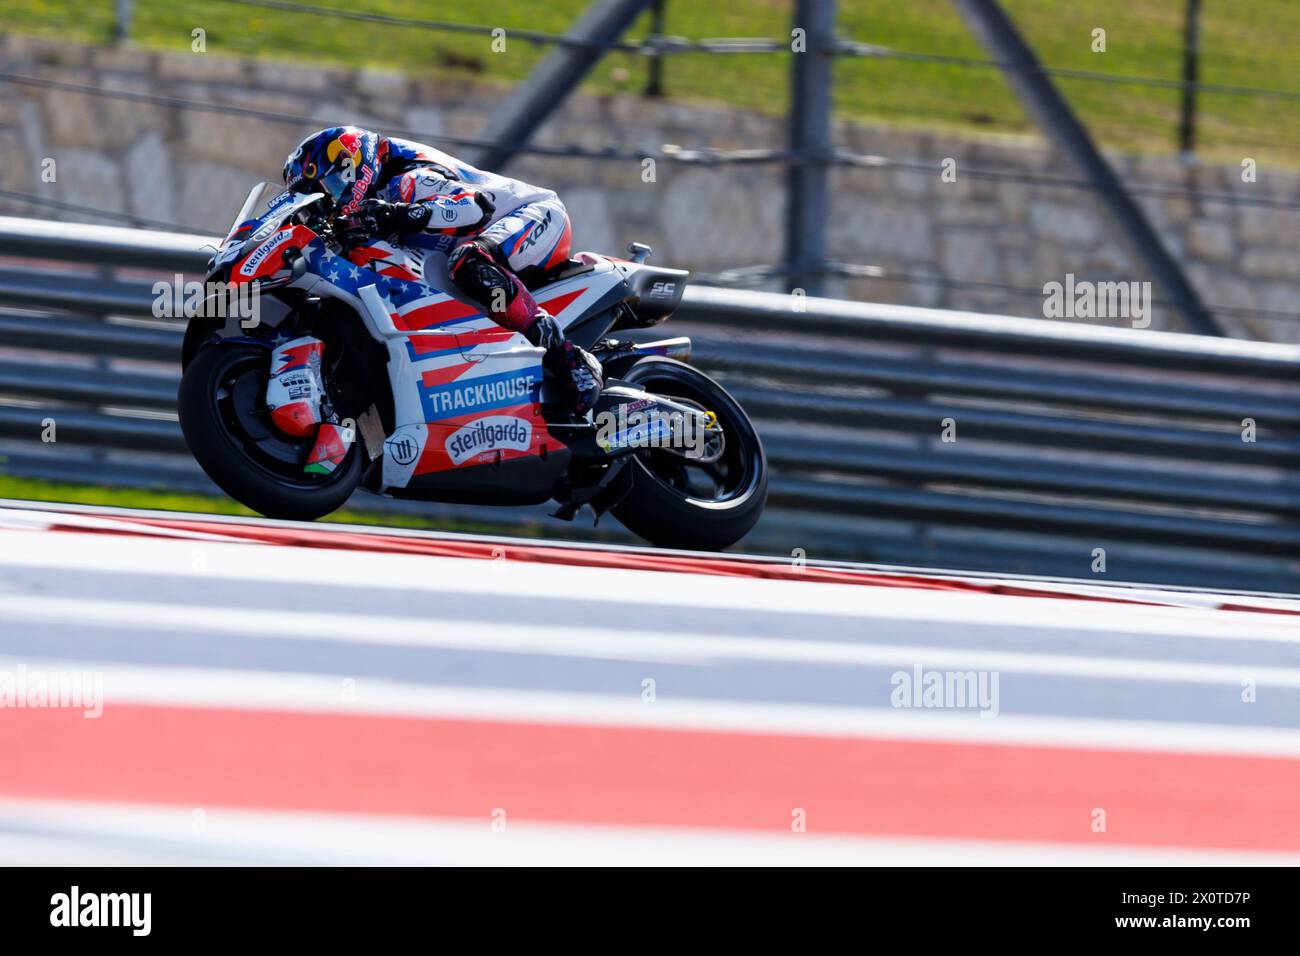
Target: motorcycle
{"type": "Point", "coordinates": [359, 371]}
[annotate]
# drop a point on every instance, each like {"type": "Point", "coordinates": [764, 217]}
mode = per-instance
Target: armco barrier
{"type": "Point", "coordinates": [1074, 450]}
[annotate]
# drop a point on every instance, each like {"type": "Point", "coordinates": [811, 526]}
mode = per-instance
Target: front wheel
{"type": "Point", "coordinates": [678, 502]}
{"type": "Point", "coordinates": [223, 414]}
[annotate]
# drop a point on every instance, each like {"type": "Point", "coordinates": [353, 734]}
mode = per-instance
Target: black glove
{"type": "Point", "coordinates": [391, 218]}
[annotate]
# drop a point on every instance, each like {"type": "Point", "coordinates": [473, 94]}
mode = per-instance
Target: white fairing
{"type": "Point", "coordinates": [277, 211]}
{"type": "Point", "coordinates": [402, 450]}
{"type": "Point", "coordinates": [478, 368]}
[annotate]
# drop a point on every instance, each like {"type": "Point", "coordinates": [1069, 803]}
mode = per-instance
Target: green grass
{"type": "Point", "coordinates": [32, 489]}
{"type": "Point", "coordinates": [1246, 44]}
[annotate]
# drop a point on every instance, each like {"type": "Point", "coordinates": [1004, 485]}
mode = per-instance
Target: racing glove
{"type": "Point", "coordinates": [382, 218]}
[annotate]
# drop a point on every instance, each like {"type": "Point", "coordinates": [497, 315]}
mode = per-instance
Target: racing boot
{"type": "Point", "coordinates": [574, 368]}
{"type": "Point", "coordinates": [476, 270]}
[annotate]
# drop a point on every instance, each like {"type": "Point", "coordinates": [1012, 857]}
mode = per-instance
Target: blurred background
{"type": "Point", "coordinates": [916, 177]}
{"type": "Point", "coordinates": [1181, 94]}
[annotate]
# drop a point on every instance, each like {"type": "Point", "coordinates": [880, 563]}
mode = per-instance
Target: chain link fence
{"type": "Point", "coordinates": [942, 194]}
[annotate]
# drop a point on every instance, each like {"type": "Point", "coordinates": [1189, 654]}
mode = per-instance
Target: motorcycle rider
{"type": "Point", "coordinates": [490, 227]}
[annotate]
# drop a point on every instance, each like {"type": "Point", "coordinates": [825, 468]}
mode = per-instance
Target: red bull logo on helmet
{"type": "Point", "coordinates": [359, 190]}
{"type": "Point", "coordinates": [350, 141]}
{"type": "Point", "coordinates": [355, 152]}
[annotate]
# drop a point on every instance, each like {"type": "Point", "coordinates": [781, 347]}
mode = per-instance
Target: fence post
{"type": "Point", "coordinates": [123, 27]}
{"type": "Point", "coordinates": [996, 32]}
{"type": "Point", "coordinates": [1191, 54]}
{"type": "Point", "coordinates": [807, 184]}
{"type": "Point", "coordinates": [514, 120]}
{"type": "Point", "coordinates": [654, 85]}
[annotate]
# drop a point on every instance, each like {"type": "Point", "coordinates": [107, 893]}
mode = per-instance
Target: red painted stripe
{"type": "Point", "coordinates": [422, 345]}
{"type": "Point", "coordinates": [300, 355]}
{"type": "Point", "coordinates": [638, 776]}
{"type": "Point", "coordinates": [577, 557]}
{"type": "Point", "coordinates": [337, 538]}
{"type": "Point", "coordinates": [445, 374]}
{"type": "Point", "coordinates": [364, 255]}
{"type": "Point", "coordinates": [559, 303]}
{"type": "Point", "coordinates": [437, 313]}
{"type": "Point", "coordinates": [1258, 609]}
{"type": "Point", "coordinates": [491, 334]}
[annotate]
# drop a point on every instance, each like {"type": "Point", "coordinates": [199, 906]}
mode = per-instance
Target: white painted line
{"type": "Point", "coordinates": [311, 693]}
{"type": "Point", "coordinates": [391, 572]}
{"type": "Point", "coordinates": [608, 642]}
{"type": "Point", "coordinates": [80, 833]}
{"type": "Point", "coordinates": [35, 520]}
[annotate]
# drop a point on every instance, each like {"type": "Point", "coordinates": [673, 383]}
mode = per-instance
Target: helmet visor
{"type": "Point", "coordinates": [337, 182]}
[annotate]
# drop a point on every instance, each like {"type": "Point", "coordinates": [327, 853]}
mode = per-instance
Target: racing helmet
{"type": "Point", "coordinates": [342, 161]}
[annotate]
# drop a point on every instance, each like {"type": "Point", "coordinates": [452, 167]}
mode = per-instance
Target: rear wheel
{"type": "Point", "coordinates": [680, 502]}
{"type": "Point", "coordinates": [223, 414]}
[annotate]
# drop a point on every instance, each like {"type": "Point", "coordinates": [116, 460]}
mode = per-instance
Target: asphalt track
{"type": "Point", "coordinates": [283, 693]}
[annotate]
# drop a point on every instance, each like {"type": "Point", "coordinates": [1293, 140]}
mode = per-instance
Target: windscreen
{"type": "Point", "coordinates": [259, 197]}
{"type": "Point", "coordinates": [266, 206]}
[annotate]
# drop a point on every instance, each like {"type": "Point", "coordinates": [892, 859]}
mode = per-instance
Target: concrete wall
{"type": "Point", "coordinates": [952, 244]}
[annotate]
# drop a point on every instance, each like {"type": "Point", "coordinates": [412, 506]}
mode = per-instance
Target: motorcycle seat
{"type": "Point", "coordinates": [534, 278]}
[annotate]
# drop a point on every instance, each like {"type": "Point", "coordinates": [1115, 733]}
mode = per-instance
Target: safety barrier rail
{"type": "Point", "coordinates": [895, 434]}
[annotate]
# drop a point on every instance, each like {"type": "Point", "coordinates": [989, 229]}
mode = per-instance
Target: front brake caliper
{"type": "Point", "coordinates": [295, 389]}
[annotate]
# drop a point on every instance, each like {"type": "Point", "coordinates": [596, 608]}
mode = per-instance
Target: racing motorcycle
{"type": "Point", "coordinates": [358, 370]}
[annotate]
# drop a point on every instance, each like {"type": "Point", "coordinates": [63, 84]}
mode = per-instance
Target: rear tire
{"type": "Point", "coordinates": [661, 506]}
{"type": "Point", "coordinates": [234, 442]}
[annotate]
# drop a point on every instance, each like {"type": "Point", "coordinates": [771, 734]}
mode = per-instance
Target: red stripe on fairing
{"type": "Point", "coordinates": [364, 255]}
{"type": "Point", "coordinates": [299, 356]}
{"type": "Point", "coordinates": [428, 344]}
{"type": "Point", "coordinates": [492, 334]}
{"type": "Point", "coordinates": [441, 313]}
{"type": "Point", "coordinates": [284, 760]}
{"type": "Point", "coordinates": [559, 303]}
{"type": "Point", "coordinates": [445, 374]}
{"type": "Point", "coordinates": [436, 313]}
{"type": "Point", "coordinates": [299, 237]}
{"type": "Point", "coordinates": [398, 272]}
{"type": "Point", "coordinates": [435, 458]}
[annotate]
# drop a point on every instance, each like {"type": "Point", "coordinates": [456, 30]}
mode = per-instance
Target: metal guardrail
{"type": "Point", "coordinates": [1068, 438]}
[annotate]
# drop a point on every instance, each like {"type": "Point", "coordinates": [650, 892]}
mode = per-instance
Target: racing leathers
{"type": "Point", "coordinates": [493, 230]}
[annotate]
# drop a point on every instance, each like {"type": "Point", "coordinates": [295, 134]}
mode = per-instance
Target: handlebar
{"type": "Point", "coordinates": [331, 228]}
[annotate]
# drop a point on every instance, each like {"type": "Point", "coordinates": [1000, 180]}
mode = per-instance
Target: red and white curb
{"type": "Point", "coordinates": [204, 764]}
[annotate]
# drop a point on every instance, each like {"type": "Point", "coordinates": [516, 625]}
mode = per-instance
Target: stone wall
{"type": "Point", "coordinates": [972, 243]}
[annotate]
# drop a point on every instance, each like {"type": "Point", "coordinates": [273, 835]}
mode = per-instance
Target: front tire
{"type": "Point", "coordinates": [673, 509]}
{"type": "Point", "coordinates": [221, 403]}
